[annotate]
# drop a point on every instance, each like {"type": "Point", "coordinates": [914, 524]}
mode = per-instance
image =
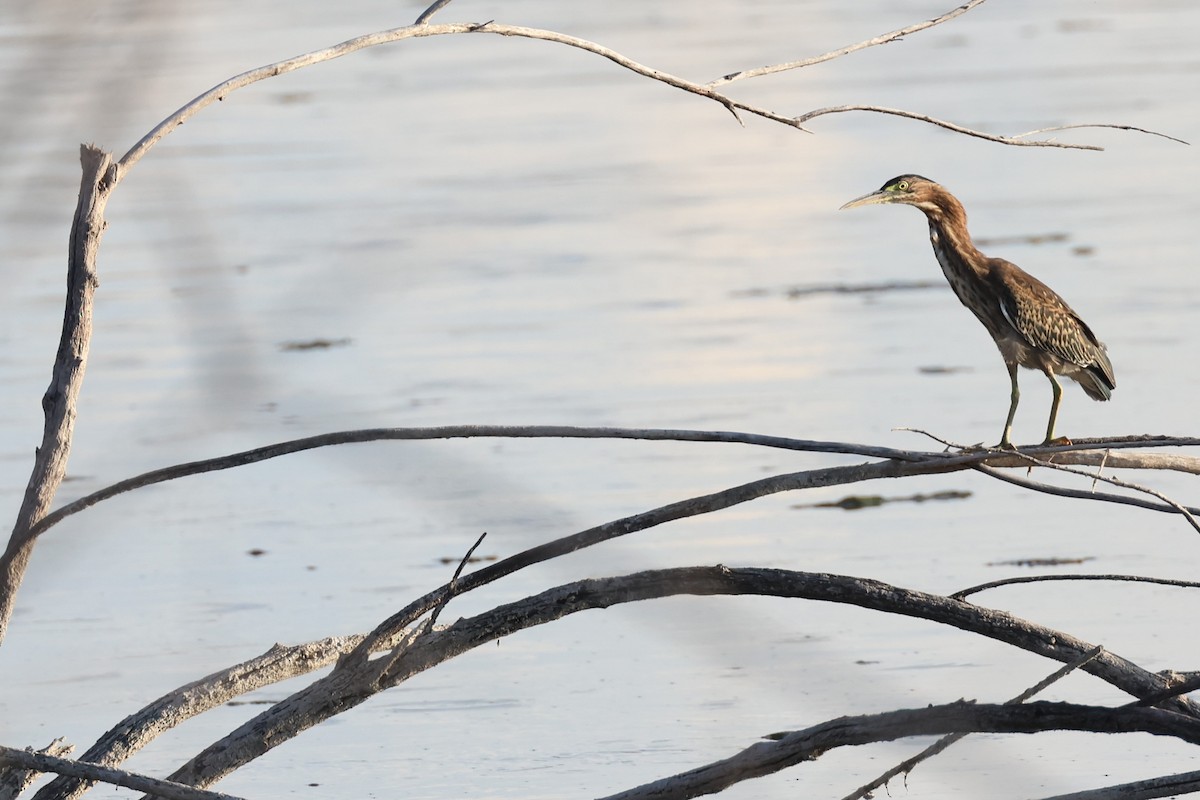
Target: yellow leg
{"type": "Point", "coordinates": [1053, 406]}
{"type": "Point", "coordinates": [1006, 439]}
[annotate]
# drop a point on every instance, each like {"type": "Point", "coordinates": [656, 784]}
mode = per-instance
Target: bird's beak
{"type": "Point", "coordinates": [868, 200]}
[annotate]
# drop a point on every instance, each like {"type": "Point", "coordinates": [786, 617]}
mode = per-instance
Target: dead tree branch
{"type": "Point", "coordinates": [909, 764]}
{"type": "Point", "coordinates": [1039, 578]}
{"type": "Point", "coordinates": [59, 402]}
{"type": "Point", "coordinates": [43, 762]}
{"type": "Point", "coordinates": [1164, 786]}
{"type": "Point", "coordinates": [922, 462]}
{"type": "Point", "coordinates": [136, 731]}
{"type": "Point", "coordinates": [765, 758]}
{"type": "Point", "coordinates": [355, 679]}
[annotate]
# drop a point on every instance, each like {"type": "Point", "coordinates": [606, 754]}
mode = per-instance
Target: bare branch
{"type": "Point", "coordinates": [1081, 577]}
{"type": "Point", "coordinates": [936, 461]}
{"type": "Point", "coordinates": [223, 89]}
{"type": "Point", "coordinates": [137, 730]}
{"type": "Point", "coordinates": [59, 402]}
{"type": "Point", "coordinates": [1096, 476]}
{"type": "Point", "coordinates": [453, 585]}
{"type": "Point", "coordinates": [1098, 125]}
{"type": "Point", "coordinates": [950, 126]}
{"type": "Point", "coordinates": [14, 779]}
{"type": "Point", "coordinates": [765, 758]}
{"type": "Point", "coordinates": [356, 679]}
{"type": "Point", "coordinates": [1079, 494]}
{"type": "Point", "coordinates": [832, 54]}
{"type": "Point", "coordinates": [461, 432]}
{"type": "Point", "coordinates": [116, 777]}
{"type": "Point", "coordinates": [906, 766]}
{"type": "Point", "coordinates": [1165, 786]}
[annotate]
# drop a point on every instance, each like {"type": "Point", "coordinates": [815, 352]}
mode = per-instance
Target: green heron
{"type": "Point", "coordinates": [1031, 324]}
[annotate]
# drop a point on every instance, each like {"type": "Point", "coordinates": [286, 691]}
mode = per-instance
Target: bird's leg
{"type": "Point", "coordinates": [1053, 406]}
{"type": "Point", "coordinates": [1006, 440]}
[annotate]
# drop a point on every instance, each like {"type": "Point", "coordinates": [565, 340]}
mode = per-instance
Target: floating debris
{"type": "Point", "coordinates": [795, 292]}
{"type": "Point", "coordinates": [856, 501]}
{"type": "Point", "coordinates": [936, 370]}
{"type": "Point", "coordinates": [1040, 562]}
{"type": "Point", "coordinates": [313, 344]}
{"type": "Point", "coordinates": [471, 560]}
{"type": "Point", "coordinates": [1027, 238]}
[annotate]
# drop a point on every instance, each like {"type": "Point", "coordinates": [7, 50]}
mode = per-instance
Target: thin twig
{"type": "Point", "coordinates": [1096, 476]}
{"type": "Point", "coordinates": [437, 6]}
{"type": "Point", "coordinates": [1022, 455]}
{"type": "Point", "coordinates": [941, 123]}
{"type": "Point", "coordinates": [452, 587]}
{"type": "Point", "coordinates": [1062, 491]}
{"type": "Point", "coordinates": [964, 593]}
{"type": "Point", "coordinates": [832, 54]}
{"type": "Point", "coordinates": [223, 89]}
{"type": "Point", "coordinates": [1188, 682]}
{"type": "Point", "coordinates": [451, 592]}
{"type": "Point", "coordinates": [1098, 125]}
{"type": "Point", "coordinates": [116, 777]}
{"type": "Point", "coordinates": [1100, 469]}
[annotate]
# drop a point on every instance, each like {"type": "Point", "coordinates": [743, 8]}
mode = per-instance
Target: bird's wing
{"type": "Point", "coordinates": [1044, 319]}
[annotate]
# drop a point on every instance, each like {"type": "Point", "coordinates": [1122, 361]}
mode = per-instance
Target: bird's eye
{"type": "Point", "coordinates": [902, 186]}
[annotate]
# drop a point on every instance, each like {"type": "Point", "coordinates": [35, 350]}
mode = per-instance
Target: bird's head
{"type": "Point", "coordinates": [911, 190]}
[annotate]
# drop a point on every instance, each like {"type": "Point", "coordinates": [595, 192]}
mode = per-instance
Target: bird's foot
{"type": "Point", "coordinates": [1057, 442]}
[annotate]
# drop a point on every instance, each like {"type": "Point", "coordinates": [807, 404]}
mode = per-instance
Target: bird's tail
{"type": "Point", "coordinates": [1097, 378]}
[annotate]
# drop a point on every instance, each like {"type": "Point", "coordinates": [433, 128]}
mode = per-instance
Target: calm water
{"type": "Point", "coordinates": [504, 231]}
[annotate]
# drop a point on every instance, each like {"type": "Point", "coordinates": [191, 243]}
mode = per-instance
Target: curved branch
{"type": "Point", "coordinates": [292, 446]}
{"type": "Point", "coordinates": [43, 762]}
{"type": "Point", "coordinates": [950, 126]}
{"type": "Point", "coordinates": [963, 593]}
{"type": "Point", "coordinates": [423, 29]}
{"type": "Point", "coordinates": [1096, 476]}
{"type": "Point", "coordinates": [1079, 494]}
{"type": "Point", "coordinates": [355, 680]}
{"type": "Point", "coordinates": [787, 750]}
{"type": "Point", "coordinates": [1098, 125]}
{"type": "Point", "coordinates": [223, 89]}
{"type": "Point", "coordinates": [935, 462]}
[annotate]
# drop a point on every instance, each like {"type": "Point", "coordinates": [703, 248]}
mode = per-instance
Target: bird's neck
{"type": "Point", "coordinates": [951, 241]}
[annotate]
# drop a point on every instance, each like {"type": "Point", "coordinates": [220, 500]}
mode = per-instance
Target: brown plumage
{"type": "Point", "coordinates": [1032, 326]}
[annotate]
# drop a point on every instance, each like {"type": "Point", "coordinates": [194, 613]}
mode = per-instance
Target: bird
{"type": "Point", "coordinates": [1032, 325]}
